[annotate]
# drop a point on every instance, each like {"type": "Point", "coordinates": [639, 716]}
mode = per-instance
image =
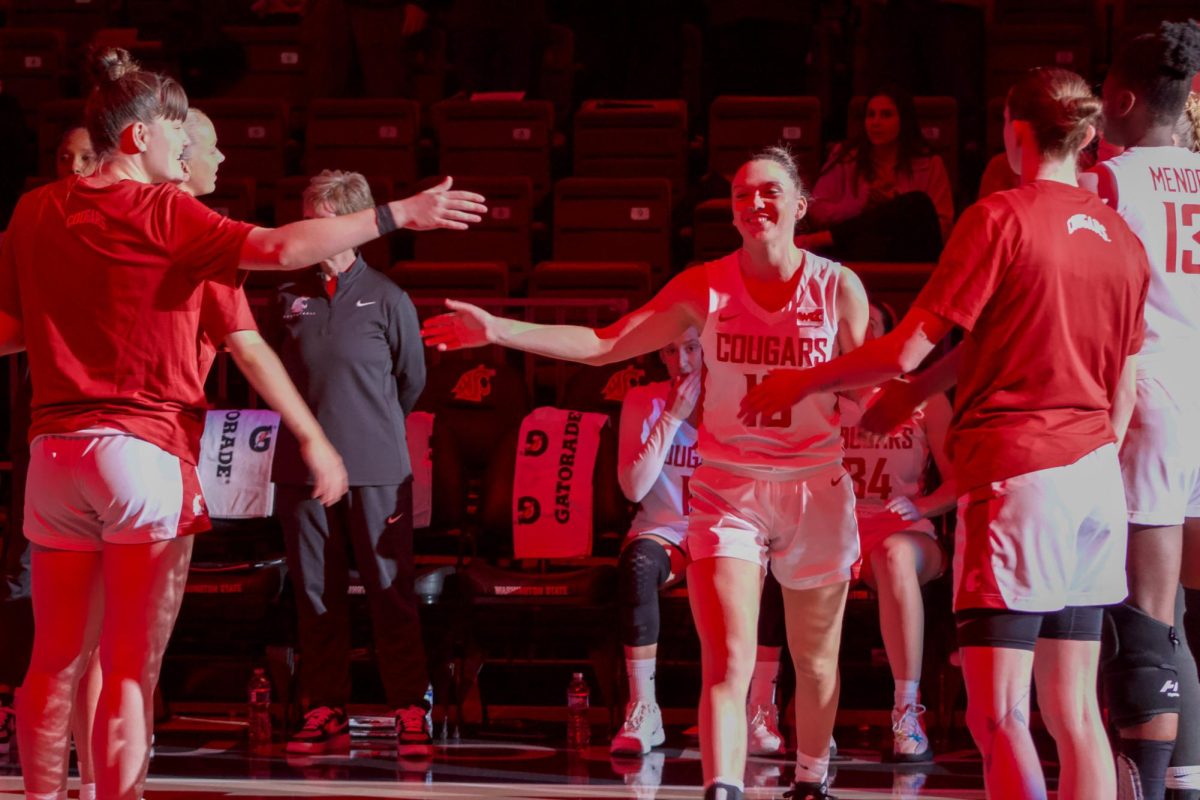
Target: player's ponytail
{"type": "Point", "coordinates": [124, 93]}
{"type": "Point", "coordinates": [1059, 106]}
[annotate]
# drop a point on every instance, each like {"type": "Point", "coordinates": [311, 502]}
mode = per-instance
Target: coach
{"type": "Point", "coordinates": [350, 340]}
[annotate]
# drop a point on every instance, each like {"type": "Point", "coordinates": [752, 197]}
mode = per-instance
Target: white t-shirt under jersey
{"type": "Point", "coordinates": [1157, 192]}
{"type": "Point", "coordinates": [663, 510]}
{"type": "Point", "coordinates": [743, 342]}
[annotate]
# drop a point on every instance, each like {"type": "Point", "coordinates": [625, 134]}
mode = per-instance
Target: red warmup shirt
{"type": "Point", "coordinates": [224, 310]}
{"type": "Point", "coordinates": [1049, 284]}
{"type": "Point", "coordinates": [107, 282]}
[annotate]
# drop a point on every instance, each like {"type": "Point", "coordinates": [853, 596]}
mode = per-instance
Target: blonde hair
{"type": "Point", "coordinates": [1187, 128]}
{"type": "Point", "coordinates": [342, 192]}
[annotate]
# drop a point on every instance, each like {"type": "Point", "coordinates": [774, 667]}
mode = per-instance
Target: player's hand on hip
{"type": "Point", "coordinates": [892, 407]}
{"type": "Point", "coordinates": [465, 326]}
{"type": "Point", "coordinates": [904, 508]}
{"type": "Point", "coordinates": [442, 207]}
{"type": "Point", "coordinates": [330, 481]}
{"type": "Point", "coordinates": [781, 389]}
{"type": "Point", "coordinates": [685, 392]}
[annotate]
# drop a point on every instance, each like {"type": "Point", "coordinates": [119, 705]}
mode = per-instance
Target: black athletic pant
{"type": "Point", "coordinates": [376, 523]}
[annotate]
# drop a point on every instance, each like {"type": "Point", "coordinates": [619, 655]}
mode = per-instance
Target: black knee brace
{"type": "Point", "coordinates": [643, 568]}
{"type": "Point", "coordinates": [1141, 680]}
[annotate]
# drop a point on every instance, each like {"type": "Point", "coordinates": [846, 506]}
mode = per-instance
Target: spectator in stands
{"type": "Point", "coordinates": [368, 38]}
{"type": "Point", "coordinates": [656, 457]}
{"type": "Point", "coordinates": [883, 195]}
{"type": "Point", "coordinates": [350, 339]}
{"type": "Point", "coordinates": [771, 488]}
{"type": "Point", "coordinates": [100, 278]}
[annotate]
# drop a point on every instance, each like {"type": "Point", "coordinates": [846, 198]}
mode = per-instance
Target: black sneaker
{"type": "Point", "coordinates": [806, 790]}
{"type": "Point", "coordinates": [723, 791]}
{"type": "Point", "coordinates": [325, 730]}
{"type": "Point", "coordinates": [8, 724]}
{"type": "Point", "coordinates": [412, 732]}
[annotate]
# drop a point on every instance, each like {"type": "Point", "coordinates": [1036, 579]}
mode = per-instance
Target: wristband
{"type": "Point", "coordinates": [384, 221]}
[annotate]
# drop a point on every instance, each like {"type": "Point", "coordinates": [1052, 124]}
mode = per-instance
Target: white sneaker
{"type": "Point", "coordinates": [909, 742]}
{"type": "Point", "coordinates": [642, 730]}
{"type": "Point", "coordinates": [762, 731]}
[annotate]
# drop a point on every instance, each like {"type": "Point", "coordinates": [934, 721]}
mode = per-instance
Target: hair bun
{"type": "Point", "coordinates": [110, 64]}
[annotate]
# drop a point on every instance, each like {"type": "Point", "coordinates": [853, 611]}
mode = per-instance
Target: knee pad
{"type": "Point", "coordinates": [1141, 680]}
{"type": "Point", "coordinates": [643, 568]}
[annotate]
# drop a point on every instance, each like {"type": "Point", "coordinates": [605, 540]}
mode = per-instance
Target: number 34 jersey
{"type": "Point", "coordinates": [743, 343]}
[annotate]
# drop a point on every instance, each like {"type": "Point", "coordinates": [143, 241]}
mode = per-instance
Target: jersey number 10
{"type": "Point", "coordinates": [780, 419]}
{"type": "Point", "coordinates": [1183, 256]}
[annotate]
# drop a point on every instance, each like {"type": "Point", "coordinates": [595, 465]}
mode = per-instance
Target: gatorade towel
{"type": "Point", "coordinates": [419, 430]}
{"type": "Point", "coordinates": [236, 452]}
{"type": "Point", "coordinates": [552, 483]}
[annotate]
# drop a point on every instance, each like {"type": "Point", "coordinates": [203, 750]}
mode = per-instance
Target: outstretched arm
{"type": "Point", "coordinates": [681, 304]}
{"type": "Point", "coordinates": [304, 243]}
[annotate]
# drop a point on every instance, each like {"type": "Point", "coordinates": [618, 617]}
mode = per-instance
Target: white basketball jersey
{"type": "Point", "coordinates": [742, 344]}
{"type": "Point", "coordinates": [885, 467]}
{"type": "Point", "coordinates": [664, 508]}
{"type": "Point", "coordinates": [1158, 195]}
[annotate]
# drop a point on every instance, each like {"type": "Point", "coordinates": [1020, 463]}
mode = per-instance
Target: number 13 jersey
{"type": "Point", "coordinates": [743, 343]}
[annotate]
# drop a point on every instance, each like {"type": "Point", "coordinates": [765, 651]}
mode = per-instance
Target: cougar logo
{"type": "Point", "coordinates": [528, 510]}
{"type": "Point", "coordinates": [299, 308]}
{"type": "Point", "coordinates": [260, 439]}
{"type": "Point", "coordinates": [1082, 222]}
{"type": "Point", "coordinates": [620, 382]}
{"type": "Point", "coordinates": [474, 385]}
{"type": "Point", "coordinates": [536, 443]}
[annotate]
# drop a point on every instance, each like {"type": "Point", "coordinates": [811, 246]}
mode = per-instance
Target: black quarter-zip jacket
{"type": "Point", "coordinates": [358, 359]}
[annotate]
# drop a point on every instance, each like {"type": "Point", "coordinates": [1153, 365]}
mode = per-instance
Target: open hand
{"type": "Point", "coordinates": [442, 207]}
{"type": "Point", "coordinates": [465, 326]}
{"type": "Point", "coordinates": [904, 508]}
{"type": "Point", "coordinates": [781, 389]}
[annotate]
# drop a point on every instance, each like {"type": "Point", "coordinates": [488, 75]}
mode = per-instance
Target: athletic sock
{"type": "Point", "coordinates": [762, 683]}
{"type": "Point", "coordinates": [641, 679]}
{"type": "Point", "coordinates": [811, 769]}
{"type": "Point", "coordinates": [1151, 759]}
{"type": "Point", "coordinates": [905, 694]}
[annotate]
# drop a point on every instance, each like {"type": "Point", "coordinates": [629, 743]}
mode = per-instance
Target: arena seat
{"type": "Point", "coordinates": [938, 117]}
{"type": "Point", "coordinates": [556, 78]}
{"type": "Point", "coordinates": [32, 63]}
{"type": "Point", "coordinates": [894, 283]}
{"type": "Point", "coordinates": [1012, 49]}
{"type": "Point", "coordinates": [289, 207]}
{"type": "Point", "coordinates": [633, 139]}
{"type": "Point", "coordinates": [738, 126]}
{"type": "Point", "coordinates": [496, 138]}
{"type": "Point", "coordinates": [442, 279]}
{"type": "Point", "coordinates": [614, 219]}
{"type": "Point", "coordinates": [253, 135]}
{"type": "Point", "coordinates": [503, 235]}
{"type": "Point", "coordinates": [274, 62]}
{"type": "Point", "coordinates": [371, 136]}
{"type": "Point", "coordinates": [713, 233]}
{"type": "Point", "coordinates": [583, 279]}
{"type": "Point", "coordinates": [77, 19]}
{"type": "Point", "coordinates": [603, 389]}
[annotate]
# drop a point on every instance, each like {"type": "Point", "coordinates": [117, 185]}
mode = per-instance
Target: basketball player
{"type": "Point", "coordinates": [771, 488]}
{"type": "Point", "coordinates": [1155, 186]}
{"type": "Point", "coordinates": [100, 277]}
{"type": "Point", "coordinates": [1044, 395]}
{"type": "Point", "coordinates": [656, 455]}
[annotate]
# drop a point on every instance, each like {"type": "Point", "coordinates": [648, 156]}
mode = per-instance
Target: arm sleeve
{"type": "Point", "coordinates": [971, 266]}
{"type": "Point", "coordinates": [224, 310]}
{"type": "Point", "coordinates": [206, 245]}
{"type": "Point", "coordinates": [642, 444]}
{"type": "Point", "coordinates": [408, 351]}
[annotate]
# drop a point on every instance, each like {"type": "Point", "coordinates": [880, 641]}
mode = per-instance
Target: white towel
{"type": "Point", "coordinates": [552, 483]}
{"type": "Point", "coordinates": [236, 452]}
{"type": "Point", "coordinates": [419, 430]}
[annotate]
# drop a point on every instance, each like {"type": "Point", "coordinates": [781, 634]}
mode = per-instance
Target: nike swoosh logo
{"type": "Point", "coordinates": [727, 317]}
{"type": "Point", "coordinates": [833, 482]}
{"type": "Point", "coordinates": [395, 519]}
{"type": "Point", "coordinates": [361, 304]}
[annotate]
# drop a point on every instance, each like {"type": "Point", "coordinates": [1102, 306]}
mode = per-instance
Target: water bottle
{"type": "Point", "coordinates": [259, 711]}
{"type": "Point", "coordinates": [579, 731]}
